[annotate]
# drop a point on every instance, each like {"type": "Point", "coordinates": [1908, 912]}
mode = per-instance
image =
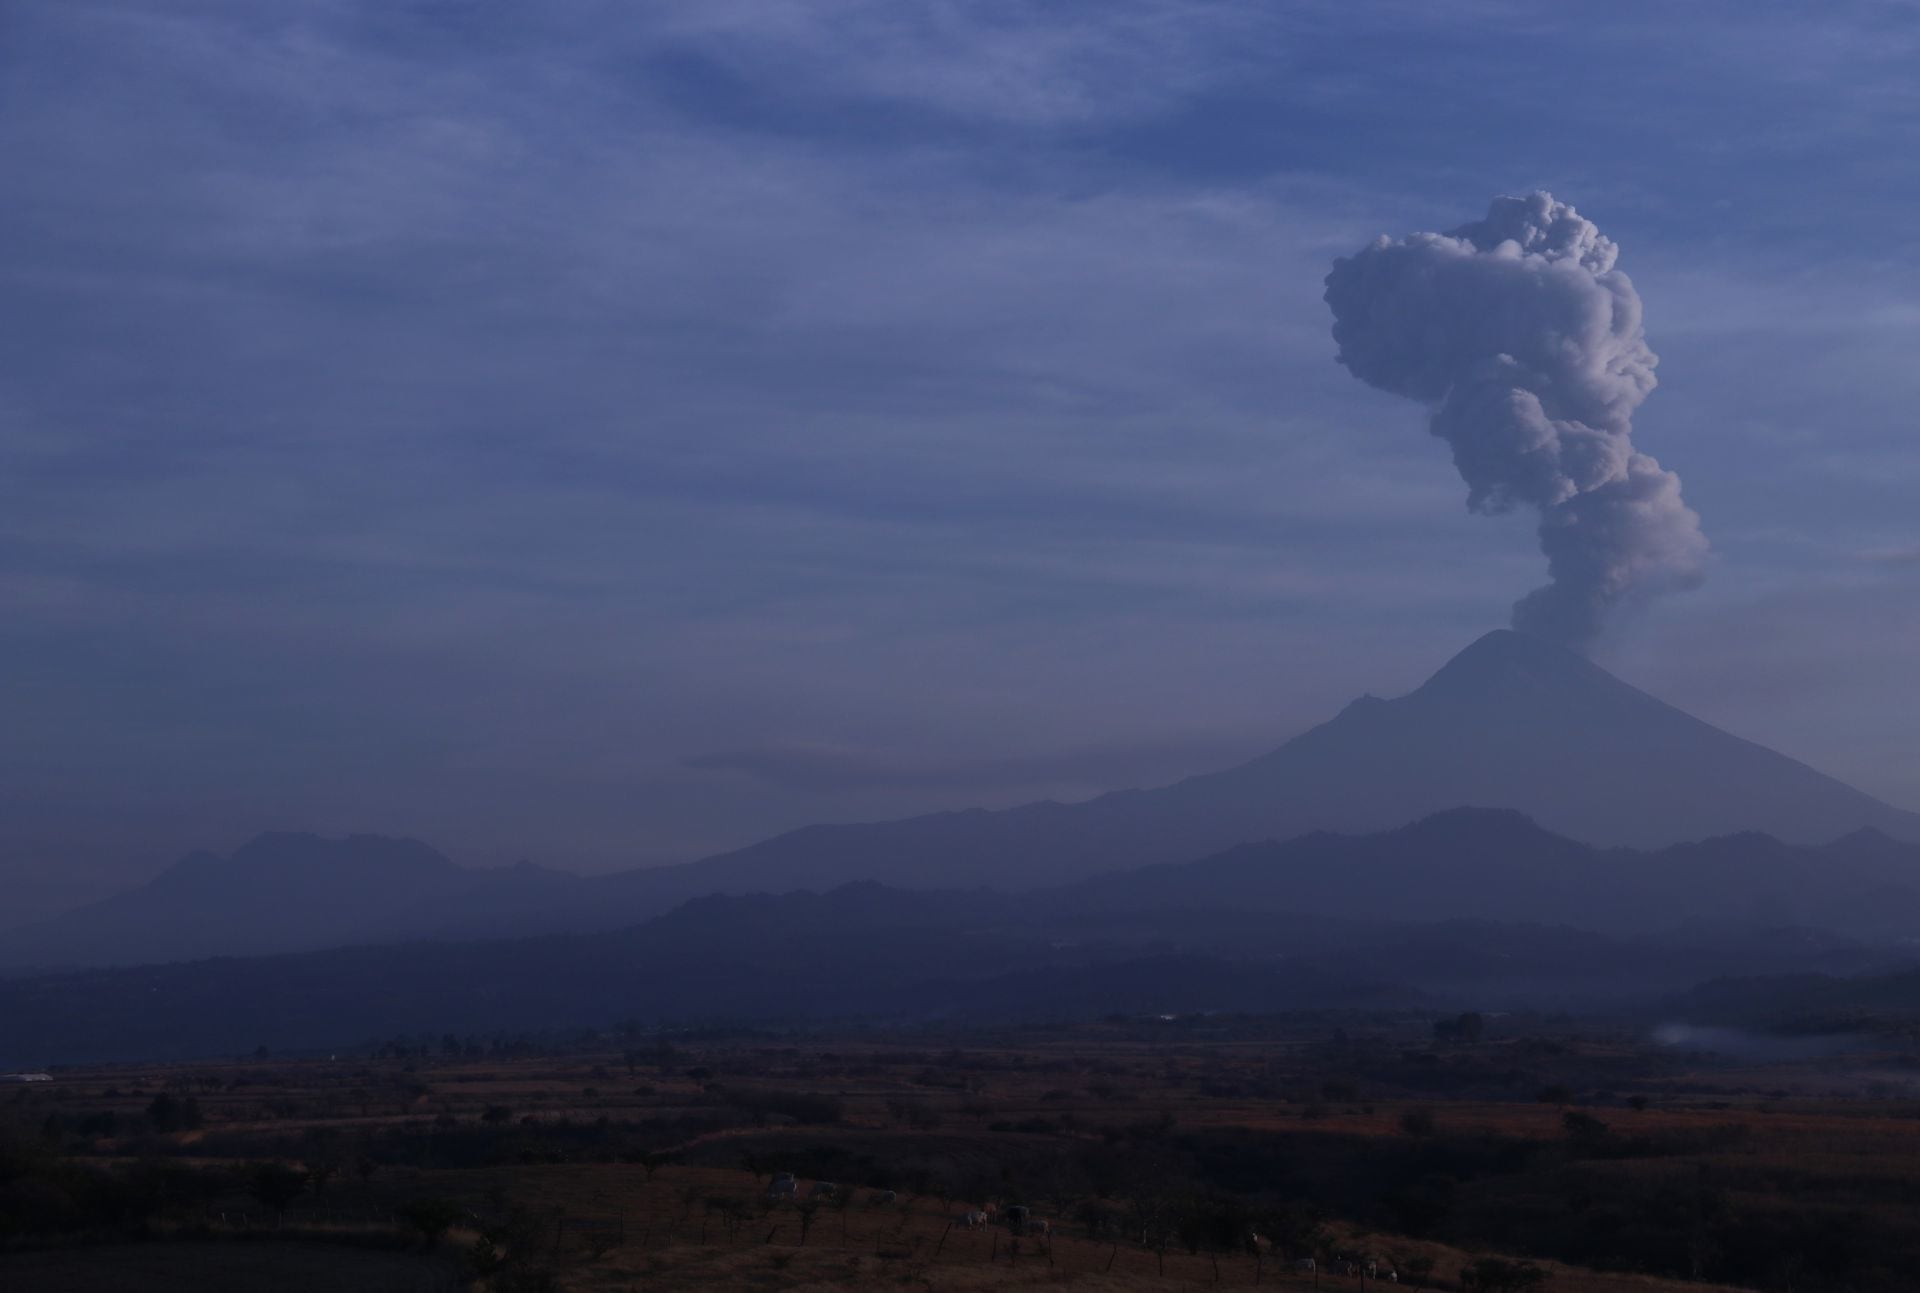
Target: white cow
{"type": "Point", "coordinates": [976, 1220]}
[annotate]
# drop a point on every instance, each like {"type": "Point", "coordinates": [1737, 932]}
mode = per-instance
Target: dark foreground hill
{"type": "Point", "coordinates": [859, 953]}
{"type": "Point", "coordinates": [1809, 1003]}
{"type": "Point", "coordinates": [1494, 864]}
{"type": "Point", "coordinates": [1469, 908]}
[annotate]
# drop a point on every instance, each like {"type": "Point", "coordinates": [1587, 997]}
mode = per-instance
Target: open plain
{"type": "Point", "coordinates": [1158, 1152]}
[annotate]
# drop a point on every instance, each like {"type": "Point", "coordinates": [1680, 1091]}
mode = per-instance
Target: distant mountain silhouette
{"type": "Point", "coordinates": [285, 892]}
{"type": "Point", "coordinates": [1511, 722]}
{"type": "Point", "coordinates": [1470, 908]}
{"type": "Point", "coordinates": [1498, 865]}
{"type": "Point", "coordinates": [863, 951]}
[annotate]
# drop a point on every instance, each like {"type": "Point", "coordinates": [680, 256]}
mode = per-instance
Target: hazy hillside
{"type": "Point", "coordinates": [1470, 908]}
{"type": "Point", "coordinates": [291, 892]}
{"type": "Point", "coordinates": [1808, 1003]}
{"type": "Point", "coordinates": [1495, 864]}
{"type": "Point", "coordinates": [791, 959]}
{"type": "Point", "coordinates": [1510, 722]}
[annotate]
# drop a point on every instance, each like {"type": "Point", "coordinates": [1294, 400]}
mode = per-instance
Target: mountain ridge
{"type": "Point", "coordinates": [1492, 727]}
{"type": "Point", "coordinates": [1511, 722]}
{"type": "Point", "coordinates": [1292, 925]}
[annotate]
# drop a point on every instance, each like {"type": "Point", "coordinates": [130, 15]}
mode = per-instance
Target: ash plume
{"type": "Point", "coordinates": [1526, 345]}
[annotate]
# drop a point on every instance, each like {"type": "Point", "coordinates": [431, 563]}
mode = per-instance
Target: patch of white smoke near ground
{"type": "Point", "coordinates": [1526, 345]}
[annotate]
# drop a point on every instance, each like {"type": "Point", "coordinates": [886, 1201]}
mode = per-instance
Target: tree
{"type": "Point", "coordinates": [1499, 1275]}
{"type": "Point", "coordinates": [276, 1185]}
{"type": "Point", "coordinates": [1586, 1132]}
{"type": "Point", "coordinates": [808, 1210]}
{"type": "Point", "coordinates": [169, 1113]}
{"type": "Point", "coordinates": [321, 1170]}
{"type": "Point", "coordinates": [842, 1200]}
{"type": "Point", "coordinates": [1417, 1122]}
{"type": "Point", "coordinates": [508, 1256]}
{"type": "Point", "coordinates": [431, 1217]}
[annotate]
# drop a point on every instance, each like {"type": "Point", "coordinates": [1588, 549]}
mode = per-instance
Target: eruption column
{"type": "Point", "coordinates": [1526, 345]}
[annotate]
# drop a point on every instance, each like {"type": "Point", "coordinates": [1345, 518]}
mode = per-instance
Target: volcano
{"type": "Point", "coordinates": [1513, 722]}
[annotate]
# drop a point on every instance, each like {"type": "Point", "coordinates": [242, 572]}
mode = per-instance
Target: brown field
{"type": "Point", "coordinates": [234, 1267]}
{"type": "Point", "coordinates": [602, 1166]}
{"type": "Point", "coordinates": [917, 1243]}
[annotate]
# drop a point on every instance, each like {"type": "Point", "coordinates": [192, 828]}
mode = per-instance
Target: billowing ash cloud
{"type": "Point", "coordinates": [1525, 341]}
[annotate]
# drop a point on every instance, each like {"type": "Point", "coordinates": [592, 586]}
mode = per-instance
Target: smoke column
{"type": "Point", "coordinates": [1525, 343]}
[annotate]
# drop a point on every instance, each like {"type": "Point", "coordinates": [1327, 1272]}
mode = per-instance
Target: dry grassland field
{"type": "Point", "coordinates": [1154, 1150]}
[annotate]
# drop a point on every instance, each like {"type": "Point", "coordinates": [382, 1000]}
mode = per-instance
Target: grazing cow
{"type": "Point", "coordinates": [976, 1220]}
{"type": "Point", "coordinates": [1305, 1266]}
{"type": "Point", "coordinates": [822, 1190]}
{"type": "Point", "coordinates": [880, 1198]}
{"type": "Point", "coordinates": [783, 1186]}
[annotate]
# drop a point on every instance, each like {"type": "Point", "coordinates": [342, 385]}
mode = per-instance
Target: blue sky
{"type": "Point", "coordinates": [607, 433]}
